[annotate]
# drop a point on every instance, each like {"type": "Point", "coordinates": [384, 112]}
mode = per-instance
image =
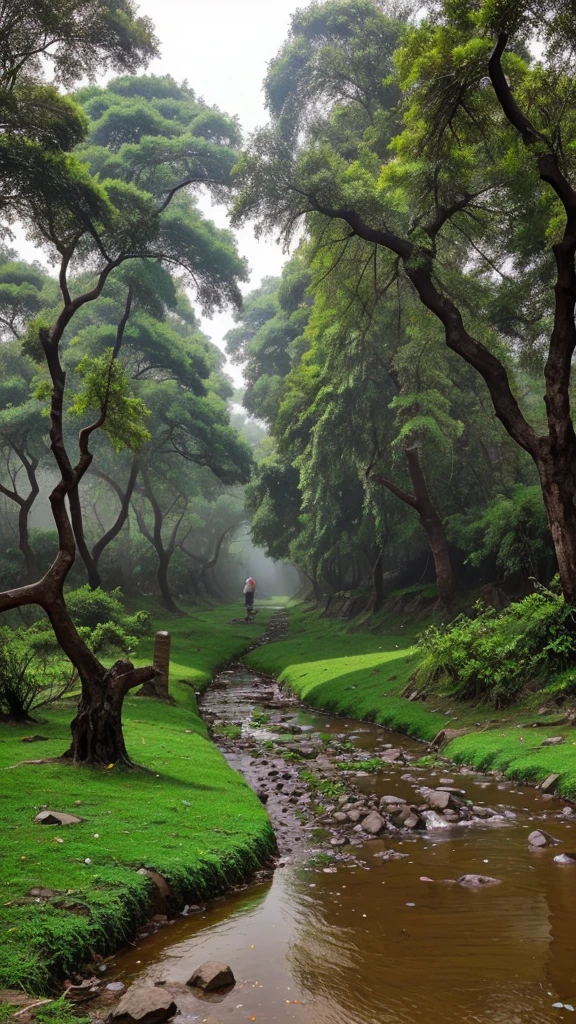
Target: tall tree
{"type": "Point", "coordinates": [119, 222]}
{"type": "Point", "coordinates": [480, 178]}
{"type": "Point", "coordinates": [73, 39]}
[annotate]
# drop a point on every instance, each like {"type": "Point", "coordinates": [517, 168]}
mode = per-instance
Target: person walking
{"type": "Point", "coordinates": [249, 592]}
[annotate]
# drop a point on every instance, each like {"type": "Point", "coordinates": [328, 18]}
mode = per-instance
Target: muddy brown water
{"type": "Point", "coordinates": [375, 944]}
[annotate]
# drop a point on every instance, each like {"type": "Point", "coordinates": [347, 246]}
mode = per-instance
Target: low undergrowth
{"type": "Point", "coordinates": [189, 816]}
{"type": "Point", "coordinates": [493, 657]}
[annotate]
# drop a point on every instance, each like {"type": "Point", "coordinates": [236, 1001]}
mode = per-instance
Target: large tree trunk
{"type": "Point", "coordinates": [432, 524]}
{"type": "Point", "coordinates": [97, 736]}
{"type": "Point", "coordinates": [163, 551]}
{"type": "Point", "coordinates": [434, 529]}
{"type": "Point", "coordinates": [559, 489]}
{"type": "Point", "coordinates": [97, 728]}
{"type": "Point", "coordinates": [164, 583]}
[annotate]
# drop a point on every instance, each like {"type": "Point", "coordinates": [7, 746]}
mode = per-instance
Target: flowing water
{"type": "Point", "coordinates": [375, 941]}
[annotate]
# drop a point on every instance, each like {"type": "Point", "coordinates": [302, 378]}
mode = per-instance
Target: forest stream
{"type": "Point", "coordinates": [357, 930]}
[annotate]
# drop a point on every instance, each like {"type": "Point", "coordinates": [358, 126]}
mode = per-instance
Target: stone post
{"type": "Point", "coordinates": [158, 687]}
{"type": "Point", "coordinates": [162, 663]}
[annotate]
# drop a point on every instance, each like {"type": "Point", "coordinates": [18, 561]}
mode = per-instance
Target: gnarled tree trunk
{"type": "Point", "coordinates": [420, 500]}
{"type": "Point", "coordinates": [97, 736]}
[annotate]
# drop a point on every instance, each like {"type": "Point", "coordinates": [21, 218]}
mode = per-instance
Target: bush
{"type": "Point", "coordinates": [27, 682]}
{"type": "Point", "coordinates": [108, 638]}
{"type": "Point", "coordinates": [512, 532]}
{"type": "Point", "coordinates": [91, 607]}
{"type": "Point", "coordinates": [493, 657]}
{"type": "Point", "coordinates": [94, 608]}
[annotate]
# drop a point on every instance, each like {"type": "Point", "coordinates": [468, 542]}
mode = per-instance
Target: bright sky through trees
{"type": "Point", "coordinates": [222, 48]}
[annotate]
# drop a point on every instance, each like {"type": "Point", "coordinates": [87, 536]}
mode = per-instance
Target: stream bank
{"type": "Point", "coordinates": [356, 928]}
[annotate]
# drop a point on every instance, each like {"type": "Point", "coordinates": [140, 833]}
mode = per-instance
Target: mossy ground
{"type": "Point", "coordinates": [189, 816]}
{"type": "Point", "coordinates": [337, 667]}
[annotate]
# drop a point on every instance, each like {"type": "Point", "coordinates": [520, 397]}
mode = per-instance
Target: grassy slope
{"type": "Point", "coordinates": [362, 675]}
{"type": "Point", "coordinates": [192, 818]}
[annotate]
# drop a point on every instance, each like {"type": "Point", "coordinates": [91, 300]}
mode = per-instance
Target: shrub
{"type": "Point", "coordinates": [108, 638]}
{"type": "Point", "coordinates": [495, 655]}
{"type": "Point", "coordinates": [91, 607]}
{"type": "Point", "coordinates": [27, 682]}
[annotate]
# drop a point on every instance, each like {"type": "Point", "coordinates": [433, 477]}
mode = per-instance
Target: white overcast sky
{"type": "Point", "coordinates": [222, 48]}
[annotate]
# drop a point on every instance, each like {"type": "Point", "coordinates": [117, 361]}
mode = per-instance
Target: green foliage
{"type": "Point", "coordinates": [494, 656]}
{"type": "Point", "coordinates": [106, 389]}
{"type": "Point", "coordinates": [371, 764]}
{"type": "Point", "coordinates": [108, 637]}
{"type": "Point", "coordinates": [91, 607]}
{"type": "Point", "coordinates": [512, 530]}
{"type": "Point", "coordinates": [59, 1012]}
{"type": "Point", "coordinates": [232, 732]}
{"type": "Point", "coordinates": [29, 677]}
{"type": "Point", "coordinates": [329, 788]}
{"type": "Point", "coordinates": [259, 718]}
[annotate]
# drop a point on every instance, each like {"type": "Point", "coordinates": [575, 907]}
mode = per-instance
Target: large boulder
{"type": "Point", "coordinates": [386, 801]}
{"type": "Point", "coordinates": [211, 976]}
{"type": "Point", "coordinates": [565, 858]}
{"type": "Point", "coordinates": [57, 818]}
{"type": "Point", "coordinates": [144, 1004]}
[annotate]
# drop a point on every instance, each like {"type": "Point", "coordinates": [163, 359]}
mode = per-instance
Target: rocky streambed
{"type": "Point", "coordinates": [405, 889]}
{"type": "Point", "coordinates": [327, 782]}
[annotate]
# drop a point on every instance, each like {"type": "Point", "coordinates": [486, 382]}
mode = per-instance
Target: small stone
{"type": "Point", "coordinates": [353, 816]}
{"type": "Point", "coordinates": [373, 823]}
{"type": "Point", "coordinates": [553, 741]}
{"type": "Point", "coordinates": [392, 800]}
{"type": "Point", "coordinates": [57, 818]}
{"type": "Point", "coordinates": [437, 799]}
{"type": "Point", "coordinates": [412, 821]}
{"type": "Point", "coordinates": [565, 858]}
{"type": "Point", "coordinates": [476, 881]}
{"type": "Point", "coordinates": [549, 784]}
{"type": "Point", "coordinates": [211, 976]}
{"type": "Point", "coordinates": [115, 986]}
{"type": "Point", "coordinates": [539, 839]}
{"type": "Point", "coordinates": [481, 812]}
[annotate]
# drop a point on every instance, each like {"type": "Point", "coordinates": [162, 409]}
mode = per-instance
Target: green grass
{"type": "Point", "coordinates": [519, 754]}
{"type": "Point", "coordinates": [191, 818]}
{"type": "Point", "coordinates": [336, 667]}
{"type": "Point", "coordinates": [361, 675]}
